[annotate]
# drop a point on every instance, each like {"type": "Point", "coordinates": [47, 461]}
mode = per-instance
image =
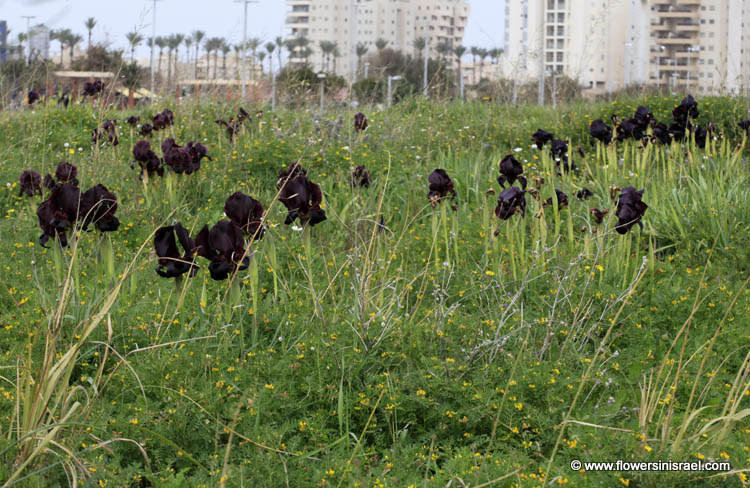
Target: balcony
{"type": "Point", "coordinates": [676, 14]}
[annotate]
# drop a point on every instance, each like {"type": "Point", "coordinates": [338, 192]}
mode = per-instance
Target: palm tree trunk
{"type": "Point", "coordinates": [197, 51]}
{"type": "Point", "coordinates": [169, 67]}
{"type": "Point", "coordinates": [132, 54]}
{"type": "Point", "coordinates": [158, 68]}
{"type": "Point", "coordinates": [216, 64]}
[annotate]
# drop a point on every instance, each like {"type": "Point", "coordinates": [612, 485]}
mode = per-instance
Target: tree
{"type": "Point", "coordinates": [161, 43]}
{"type": "Point", "coordinates": [213, 45]}
{"type": "Point", "coordinates": [261, 57]}
{"type": "Point", "coordinates": [419, 44]}
{"type": "Point", "coordinates": [90, 24]}
{"type": "Point", "coordinates": [188, 44]}
{"type": "Point", "coordinates": [459, 51]}
{"type": "Point", "coordinates": [443, 48]}
{"type": "Point", "coordinates": [253, 44]}
{"type": "Point", "coordinates": [198, 38]}
{"type": "Point", "coordinates": [237, 60]}
{"type": "Point", "coordinates": [171, 43]}
{"type": "Point", "coordinates": [474, 54]}
{"type": "Point", "coordinates": [177, 39]}
{"type": "Point", "coordinates": [73, 41]}
{"type": "Point", "coordinates": [361, 50]}
{"type": "Point", "coordinates": [225, 49]}
{"type": "Point", "coordinates": [326, 49]}
{"type": "Point", "coordinates": [134, 39]}
{"type": "Point", "coordinates": [380, 44]}
{"type": "Point", "coordinates": [483, 53]}
{"type": "Point", "coordinates": [336, 55]}
{"type": "Point", "coordinates": [280, 45]}
{"type": "Point", "coordinates": [270, 47]}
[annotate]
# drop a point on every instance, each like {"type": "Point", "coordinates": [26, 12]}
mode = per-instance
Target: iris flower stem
{"type": "Point", "coordinates": [58, 260]}
{"type": "Point", "coordinates": [254, 292]}
{"type": "Point", "coordinates": [435, 225]}
{"type": "Point", "coordinates": [509, 234]}
{"type": "Point", "coordinates": [444, 222]}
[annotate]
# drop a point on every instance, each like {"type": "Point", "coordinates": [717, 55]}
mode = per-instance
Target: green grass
{"type": "Point", "coordinates": [435, 353]}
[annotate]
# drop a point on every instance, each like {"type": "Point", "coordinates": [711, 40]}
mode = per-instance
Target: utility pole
{"type": "Point", "coordinates": [28, 33]}
{"type": "Point", "coordinates": [244, 44]}
{"type": "Point", "coordinates": [426, 53]}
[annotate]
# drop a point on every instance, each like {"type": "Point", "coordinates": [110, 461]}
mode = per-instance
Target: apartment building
{"type": "Point", "coordinates": [398, 22]}
{"type": "Point", "coordinates": [691, 45]}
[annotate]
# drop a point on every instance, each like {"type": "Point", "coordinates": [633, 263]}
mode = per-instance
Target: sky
{"type": "Point", "coordinates": [218, 18]}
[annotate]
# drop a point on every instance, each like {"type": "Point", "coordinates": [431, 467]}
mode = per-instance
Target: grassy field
{"type": "Point", "coordinates": [395, 344]}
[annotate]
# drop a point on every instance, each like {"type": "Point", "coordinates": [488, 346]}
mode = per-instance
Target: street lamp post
{"type": "Point", "coordinates": [391, 79]}
{"type": "Point", "coordinates": [426, 53]}
{"type": "Point", "coordinates": [658, 68]}
{"type": "Point", "coordinates": [690, 50]}
{"type": "Point", "coordinates": [355, 32]}
{"type": "Point", "coordinates": [554, 89]}
{"type": "Point", "coordinates": [153, 44]}
{"type": "Point", "coordinates": [461, 84]}
{"type": "Point", "coordinates": [273, 90]}
{"type": "Point", "coordinates": [322, 78]}
{"type": "Point", "coordinates": [28, 35]}
{"type": "Point", "coordinates": [367, 69]}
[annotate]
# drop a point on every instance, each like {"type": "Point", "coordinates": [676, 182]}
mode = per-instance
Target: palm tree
{"type": "Point", "coordinates": [90, 24]}
{"type": "Point", "coordinates": [326, 49]}
{"type": "Point", "coordinates": [303, 44]}
{"type": "Point", "coordinates": [225, 49]}
{"type": "Point", "coordinates": [21, 39]}
{"type": "Point", "coordinates": [483, 53]}
{"type": "Point", "coordinates": [237, 54]}
{"type": "Point", "coordinates": [188, 44]}
{"type": "Point", "coordinates": [270, 48]}
{"type": "Point", "coordinates": [280, 45]}
{"type": "Point", "coordinates": [459, 51]}
{"type": "Point", "coordinates": [134, 39]}
{"type": "Point", "coordinates": [210, 45]}
{"type": "Point", "coordinates": [442, 49]}
{"type": "Point", "coordinates": [161, 43]}
{"type": "Point", "coordinates": [253, 44]}
{"type": "Point", "coordinates": [419, 44]}
{"type": "Point", "coordinates": [261, 57]}
{"type": "Point", "coordinates": [361, 51]}
{"type": "Point", "coordinates": [171, 43]}
{"type": "Point", "coordinates": [198, 38]}
{"type": "Point", "coordinates": [474, 54]}
{"type": "Point", "coordinates": [177, 39]}
{"type": "Point", "coordinates": [214, 44]}
{"type": "Point", "coordinates": [495, 54]}
{"type": "Point", "coordinates": [336, 55]}
{"type": "Point", "coordinates": [73, 40]}
{"type": "Point", "coordinates": [380, 44]}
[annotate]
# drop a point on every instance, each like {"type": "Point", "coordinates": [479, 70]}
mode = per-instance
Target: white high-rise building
{"type": "Point", "coordinates": [398, 22]}
{"type": "Point", "coordinates": [692, 45]}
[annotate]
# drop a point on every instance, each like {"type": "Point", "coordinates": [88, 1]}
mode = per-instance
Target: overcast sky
{"type": "Point", "coordinates": [220, 18]}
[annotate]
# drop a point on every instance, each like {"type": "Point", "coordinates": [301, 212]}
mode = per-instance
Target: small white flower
{"type": "Point", "coordinates": [281, 338]}
{"type": "Point", "coordinates": [8, 185]}
{"type": "Point", "coordinates": [296, 227]}
{"type": "Point", "coordinates": [533, 146]}
{"type": "Point", "coordinates": [66, 145]}
{"type": "Point", "coordinates": [518, 149]}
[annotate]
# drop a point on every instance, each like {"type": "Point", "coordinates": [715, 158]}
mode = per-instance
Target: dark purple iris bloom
{"type": "Point", "coordinates": [562, 200]}
{"type": "Point", "coordinates": [745, 125]}
{"type": "Point", "coordinates": [162, 120]}
{"type": "Point", "coordinates": [224, 246]}
{"type": "Point", "coordinates": [231, 127]}
{"type": "Point", "coordinates": [33, 97]}
{"type": "Point", "coordinates": [132, 121]}
{"type": "Point", "coordinates": [30, 183]}
{"type": "Point", "coordinates": [92, 89]}
{"type": "Point", "coordinates": [171, 263]}
{"type": "Point", "coordinates": [510, 202]}
{"type": "Point", "coordinates": [109, 129]}
{"type": "Point", "coordinates": [58, 213]}
{"type": "Point", "coordinates": [197, 152]}
{"type": "Point", "coordinates": [360, 177]}
{"type": "Point", "coordinates": [98, 206]}
{"type": "Point", "coordinates": [541, 137]}
{"type": "Point", "coordinates": [600, 131]}
{"type": "Point", "coordinates": [630, 209]}
{"type": "Point", "coordinates": [360, 122]}
{"type": "Point", "coordinates": [510, 171]}
{"type": "Point", "coordinates": [441, 186]}
{"type": "Point", "coordinates": [242, 115]}
{"type": "Point", "coordinates": [701, 135]}
{"type": "Point", "coordinates": [65, 173]}
{"type": "Point", "coordinates": [584, 194]}
{"type": "Point", "coordinates": [146, 130]}
{"type": "Point", "coordinates": [246, 213]}
{"type": "Point", "coordinates": [599, 214]}
{"type": "Point", "coordinates": [300, 196]}
{"type": "Point", "coordinates": [643, 117]}
{"type": "Point", "coordinates": [661, 133]}
{"type": "Point", "coordinates": [629, 129]}
{"type": "Point", "coordinates": [677, 131]}
{"type": "Point", "coordinates": [181, 159]}
{"type": "Point", "coordinates": [685, 111]}
{"type": "Point", "coordinates": [147, 159]}
{"type": "Point", "coordinates": [559, 148]}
